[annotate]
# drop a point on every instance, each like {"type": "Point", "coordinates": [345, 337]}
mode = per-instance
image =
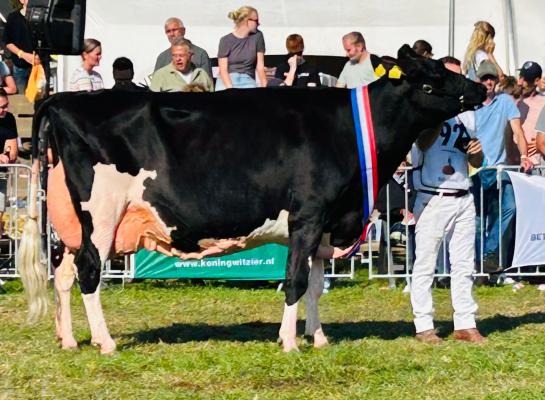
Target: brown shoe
{"type": "Point", "coordinates": [428, 337]}
{"type": "Point", "coordinates": [469, 335]}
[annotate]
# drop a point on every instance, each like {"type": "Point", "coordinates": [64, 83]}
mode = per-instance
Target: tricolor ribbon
{"type": "Point", "coordinates": [365, 137]}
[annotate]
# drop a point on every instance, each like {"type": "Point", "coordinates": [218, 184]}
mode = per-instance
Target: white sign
{"type": "Point", "coordinates": [530, 227]}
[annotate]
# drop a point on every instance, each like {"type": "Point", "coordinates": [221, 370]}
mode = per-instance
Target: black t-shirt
{"type": "Point", "coordinates": [18, 32]}
{"type": "Point", "coordinates": [8, 130]}
{"type": "Point", "coordinates": [304, 74]}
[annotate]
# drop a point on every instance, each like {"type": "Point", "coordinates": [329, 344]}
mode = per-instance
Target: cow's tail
{"type": "Point", "coordinates": [33, 271]}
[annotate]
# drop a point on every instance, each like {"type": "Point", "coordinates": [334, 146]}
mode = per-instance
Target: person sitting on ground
{"type": "Point", "coordinates": [423, 48]}
{"type": "Point", "coordinates": [296, 71]}
{"type": "Point", "coordinates": [8, 142]}
{"type": "Point", "coordinates": [362, 68]}
{"type": "Point", "coordinates": [180, 72]}
{"type": "Point", "coordinates": [123, 72]}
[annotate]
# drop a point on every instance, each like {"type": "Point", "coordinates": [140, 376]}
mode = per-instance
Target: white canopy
{"type": "Point", "coordinates": [134, 29]}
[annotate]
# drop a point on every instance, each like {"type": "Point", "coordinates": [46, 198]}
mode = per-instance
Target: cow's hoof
{"type": "Point", "coordinates": [289, 345]}
{"type": "Point", "coordinates": [69, 344]}
{"type": "Point", "coordinates": [107, 348]}
{"type": "Point", "coordinates": [320, 340]}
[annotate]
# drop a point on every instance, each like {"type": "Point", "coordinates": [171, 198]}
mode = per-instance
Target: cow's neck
{"type": "Point", "coordinates": [397, 124]}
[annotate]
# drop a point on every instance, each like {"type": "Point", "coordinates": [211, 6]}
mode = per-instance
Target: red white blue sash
{"type": "Point", "coordinates": [365, 136]}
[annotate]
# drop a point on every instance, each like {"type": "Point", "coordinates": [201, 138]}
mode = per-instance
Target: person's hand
{"type": "Point", "coordinates": [474, 147]}
{"type": "Point", "coordinates": [292, 62]}
{"type": "Point", "coordinates": [526, 164]}
{"type": "Point", "coordinates": [28, 57]}
{"type": "Point", "coordinates": [4, 159]}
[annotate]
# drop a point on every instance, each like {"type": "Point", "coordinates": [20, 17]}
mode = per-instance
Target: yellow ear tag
{"type": "Point", "coordinates": [380, 70]}
{"type": "Point", "coordinates": [395, 72]}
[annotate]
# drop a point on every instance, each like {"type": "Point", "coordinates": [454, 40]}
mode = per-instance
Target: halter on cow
{"type": "Point", "coordinates": [171, 171]}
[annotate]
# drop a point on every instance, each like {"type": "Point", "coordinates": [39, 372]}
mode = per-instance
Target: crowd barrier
{"type": "Point", "coordinates": [404, 249]}
{"type": "Point", "coordinates": [398, 255]}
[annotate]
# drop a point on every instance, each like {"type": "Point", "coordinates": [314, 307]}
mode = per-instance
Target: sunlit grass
{"type": "Point", "coordinates": [218, 341]}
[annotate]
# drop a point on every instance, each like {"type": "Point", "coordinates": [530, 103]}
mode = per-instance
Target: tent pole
{"type": "Point", "coordinates": [511, 55]}
{"type": "Point", "coordinates": [451, 28]}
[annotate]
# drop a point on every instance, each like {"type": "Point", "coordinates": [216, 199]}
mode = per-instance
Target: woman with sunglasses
{"type": "Point", "coordinates": [242, 53]}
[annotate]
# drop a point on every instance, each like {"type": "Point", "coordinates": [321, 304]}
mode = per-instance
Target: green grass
{"type": "Point", "coordinates": [218, 341]}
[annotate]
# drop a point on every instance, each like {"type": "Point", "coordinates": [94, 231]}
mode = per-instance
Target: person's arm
{"type": "Point", "coordinates": [325, 252]}
{"type": "Point", "coordinates": [28, 57]}
{"type": "Point", "coordinates": [10, 87]}
{"type": "Point", "coordinates": [492, 59]}
{"type": "Point", "coordinates": [540, 143]}
{"type": "Point", "coordinates": [475, 153]}
{"type": "Point", "coordinates": [520, 140]}
{"type": "Point", "coordinates": [224, 72]}
{"type": "Point", "coordinates": [428, 137]}
{"type": "Point", "coordinates": [260, 69]}
{"type": "Point", "coordinates": [341, 82]}
{"type": "Point", "coordinates": [290, 75]}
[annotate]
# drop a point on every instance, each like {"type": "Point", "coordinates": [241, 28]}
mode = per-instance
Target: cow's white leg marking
{"type": "Point", "coordinates": [110, 194]}
{"type": "Point", "coordinates": [288, 329]}
{"type": "Point", "coordinates": [99, 332]}
{"type": "Point", "coordinates": [64, 279]}
{"type": "Point", "coordinates": [313, 327]}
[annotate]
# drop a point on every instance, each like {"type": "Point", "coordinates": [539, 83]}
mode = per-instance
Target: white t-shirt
{"type": "Point", "coordinates": [187, 77]}
{"type": "Point", "coordinates": [443, 166]}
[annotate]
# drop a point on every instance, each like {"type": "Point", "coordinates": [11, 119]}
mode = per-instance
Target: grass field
{"type": "Point", "coordinates": [218, 341]}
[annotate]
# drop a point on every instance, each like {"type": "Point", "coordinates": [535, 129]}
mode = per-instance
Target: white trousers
{"type": "Point", "coordinates": [437, 216]}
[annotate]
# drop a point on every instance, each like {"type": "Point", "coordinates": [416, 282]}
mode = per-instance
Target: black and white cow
{"type": "Point", "coordinates": [193, 173]}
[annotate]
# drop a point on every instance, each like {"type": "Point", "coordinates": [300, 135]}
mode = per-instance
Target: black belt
{"type": "Point", "coordinates": [458, 193]}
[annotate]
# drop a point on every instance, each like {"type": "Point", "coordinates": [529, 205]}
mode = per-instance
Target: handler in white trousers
{"type": "Point", "coordinates": [444, 207]}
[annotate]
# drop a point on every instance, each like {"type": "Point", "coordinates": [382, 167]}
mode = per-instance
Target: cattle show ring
{"type": "Point", "coordinates": [186, 222]}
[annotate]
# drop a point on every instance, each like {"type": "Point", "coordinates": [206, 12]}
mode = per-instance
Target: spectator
{"type": "Point", "coordinates": [84, 77]}
{"type": "Point", "coordinates": [7, 81]}
{"type": "Point", "coordinates": [242, 52]}
{"type": "Point", "coordinates": [8, 142]}
{"type": "Point", "coordinates": [360, 69]}
{"type": "Point", "coordinates": [423, 48]}
{"type": "Point", "coordinates": [296, 71]}
{"type": "Point", "coordinates": [123, 72]}
{"type": "Point", "coordinates": [444, 207]}
{"type": "Point", "coordinates": [540, 137]}
{"type": "Point", "coordinates": [530, 105]}
{"type": "Point", "coordinates": [498, 110]}
{"type": "Point", "coordinates": [509, 86]}
{"type": "Point", "coordinates": [19, 42]}
{"type": "Point", "coordinates": [174, 27]}
{"type": "Point", "coordinates": [180, 72]}
{"type": "Point", "coordinates": [481, 48]}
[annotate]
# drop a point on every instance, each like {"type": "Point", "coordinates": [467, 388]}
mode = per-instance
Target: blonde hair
{"type": "Point", "coordinates": [241, 14]}
{"type": "Point", "coordinates": [482, 38]}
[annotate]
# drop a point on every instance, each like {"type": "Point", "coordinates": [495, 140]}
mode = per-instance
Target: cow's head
{"type": "Point", "coordinates": [436, 89]}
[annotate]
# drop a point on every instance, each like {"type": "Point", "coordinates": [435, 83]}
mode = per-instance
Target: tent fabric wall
{"type": "Point", "coordinates": [135, 29]}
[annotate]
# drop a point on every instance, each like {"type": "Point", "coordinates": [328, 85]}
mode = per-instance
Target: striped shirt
{"type": "Point", "coordinates": [83, 80]}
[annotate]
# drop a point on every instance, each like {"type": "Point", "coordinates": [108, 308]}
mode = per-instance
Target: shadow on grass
{"type": "Point", "coordinates": [267, 331]}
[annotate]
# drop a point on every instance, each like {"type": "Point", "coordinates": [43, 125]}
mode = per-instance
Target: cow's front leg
{"type": "Point", "coordinates": [304, 239]}
{"type": "Point", "coordinates": [313, 326]}
{"type": "Point", "coordinates": [64, 279]}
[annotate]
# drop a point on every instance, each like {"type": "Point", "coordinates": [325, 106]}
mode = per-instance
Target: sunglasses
{"type": "Point", "coordinates": [254, 20]}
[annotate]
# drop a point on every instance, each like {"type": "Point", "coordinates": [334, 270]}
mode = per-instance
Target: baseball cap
{"type": "Point", "coordinates": [487, 68]}
{"type": "Point", "coordinates": [530, 71]}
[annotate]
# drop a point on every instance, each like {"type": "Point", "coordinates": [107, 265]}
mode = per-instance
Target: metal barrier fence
{"type": "Point", "coordinates": [393, 270]}
{"type": "Point", "coordinates": [16, 180]}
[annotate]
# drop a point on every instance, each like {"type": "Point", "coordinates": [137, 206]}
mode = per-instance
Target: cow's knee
{"type": "Point", "coordinates": [89, 268]}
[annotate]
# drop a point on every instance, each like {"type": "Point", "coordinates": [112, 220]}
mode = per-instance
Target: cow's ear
{"type": "Point", "coordinates": [409, 61]}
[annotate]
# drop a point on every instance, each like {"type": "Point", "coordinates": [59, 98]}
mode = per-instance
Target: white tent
{"type": "Point", "coordinates": [134, 29]}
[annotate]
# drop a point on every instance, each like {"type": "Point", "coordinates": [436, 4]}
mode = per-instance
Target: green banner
{"type": "Point", "coordinates": [267, 262]}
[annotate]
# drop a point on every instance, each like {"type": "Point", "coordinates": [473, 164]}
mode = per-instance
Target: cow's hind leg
{"type": "Point", "coordinates": [313, 326]}
{"type": "Point", "coordinates": [305, 233]}
{"type": "Point", "coordinates": [64, 279]}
